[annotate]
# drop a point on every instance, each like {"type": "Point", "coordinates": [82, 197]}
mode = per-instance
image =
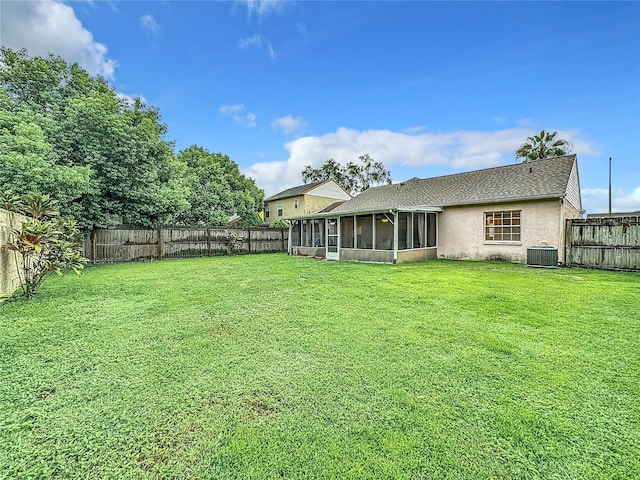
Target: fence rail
{"type": "Point", "coordinates": [607, 243]}
{"type": "Point", "coordinates": [124, 245]}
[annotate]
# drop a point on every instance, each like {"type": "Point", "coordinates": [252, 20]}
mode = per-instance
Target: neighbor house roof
{"type": "Point", "coordinates": [540, 179]}
{"type": "Point", "coordinates": [614, 215]}
{"type": "Point", "coordinates": [296, 191]}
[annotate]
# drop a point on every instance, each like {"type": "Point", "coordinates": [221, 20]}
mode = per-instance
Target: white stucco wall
{"type": "Point", "coordinates": [461, 230]}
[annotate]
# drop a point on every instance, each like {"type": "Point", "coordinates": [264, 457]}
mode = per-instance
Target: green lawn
{"type": "Point", "coordinates": [268, 366]}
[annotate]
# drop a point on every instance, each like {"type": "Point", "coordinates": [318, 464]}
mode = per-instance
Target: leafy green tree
{"type": "Point", "coordinates": [280, 223]}
{"type": "Point", "coordinates": [137, 178]}
{"type": "Point", "coordinates": [48, 244]}
{"type": "Point", "coordinates": [330, 169]}
{"type": "Point", "coordinates": [108, 156]}
{"type": "Point", "coordinates": [37, 83]}
{"type": "Point", "coordinates": [251, 220]}
{"type": "Point", "coordinates": [28, 161]}
{"type": "Point", "coordinates": [543, 145]}
{"type": "Point", "coordinates": [353, 177]}
{"type": "Point", "coordinates": [217, 189]}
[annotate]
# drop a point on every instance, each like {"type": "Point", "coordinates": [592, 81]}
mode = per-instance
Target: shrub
{"type": "Point", "coordinates": [279, 224]}
{"type": "Point", "coordinates": [47, 244]}
{"type": "Point", "coordinates": [234, 240]}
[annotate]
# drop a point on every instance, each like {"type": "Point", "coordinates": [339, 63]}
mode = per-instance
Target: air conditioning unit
{"type": "Point", "coordinates": [542, 257]}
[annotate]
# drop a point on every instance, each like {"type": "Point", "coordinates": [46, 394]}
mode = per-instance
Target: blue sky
{"type": "Point", "coordinates": [428, 88]}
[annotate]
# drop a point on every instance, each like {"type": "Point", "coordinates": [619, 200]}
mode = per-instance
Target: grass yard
{"type": "Point", "coordinates": [268, 366]}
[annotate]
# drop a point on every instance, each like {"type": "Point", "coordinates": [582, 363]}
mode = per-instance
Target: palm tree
{"type": "Point", "coordinates": [544, 145]}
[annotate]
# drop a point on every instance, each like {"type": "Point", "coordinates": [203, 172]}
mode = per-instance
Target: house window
{"type": "Point", "coordinates": [431, 230]}
{"type": "Point", "coordinates": [279, 209]}
{"type": "Point", "coordinates": [266, 213]}
{"type": "Point", "coordinates": [295, 203]}
{"type": "Point", "coordinates": [502, 226]}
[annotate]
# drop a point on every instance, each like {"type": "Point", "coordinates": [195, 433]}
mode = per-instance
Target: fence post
{"type": "Point", "coordinates": [160, 244]}
{"type": "Point", "coordinates": [567, 241]}
{"type": "Point", "coordinates": [249, 239]}
{"type": "Point", "coordinates": [282, 239]}
{"type": "Point", "coordinates": [208, 242]}
{"type": "Point", "coordinates": [94, 246]}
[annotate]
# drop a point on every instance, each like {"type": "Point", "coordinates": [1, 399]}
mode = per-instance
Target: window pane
{"type": "Point", "coordinates": [502, 226]}
{"type": "Point", "coordinates": [431, 230]}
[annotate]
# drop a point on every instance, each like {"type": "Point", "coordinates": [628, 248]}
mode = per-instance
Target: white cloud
{"type": "Point", "coordinates": [289, 125]}
{"type": "Point", "coordinates": [149, 23]}
{"type": "Point", "coordinates": [264, 8]}
{"type": "Point", "coordinates": [249, 120]}
{"type": "Point", "coordinates": [461, 150]}
{"type": "Point", "coordinates": [581, 147]}
{"type": "Point", "coordinates": [44, 27]}
{"type": "Point", "coordinates": [257, 41]}
{"type": "Point", "coordinates": [236, 111]}
{"type": "Point", "coordinates": [596, 200]}
{"type": "Point", "coordinates": [130, 99]}
{"type": "Point", "coordinates": [270, 51]}
{"type": "Point", "coordinates": [253, 41]}
{"type": "Point", "coordinates": [274, 177]}
{"type": "Point", "coordinates": [231, 109]}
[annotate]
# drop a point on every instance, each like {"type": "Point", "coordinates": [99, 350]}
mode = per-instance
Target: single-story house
{"type": "Point", "coordinates": [490, 214]}
{"type": "Point", "coordinates": [304, 199]}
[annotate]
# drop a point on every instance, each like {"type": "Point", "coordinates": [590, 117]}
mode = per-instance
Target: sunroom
{"type": "Point", "coordinates": [392, 235]}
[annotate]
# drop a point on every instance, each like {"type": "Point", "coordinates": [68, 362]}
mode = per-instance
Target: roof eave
{"type": "Point", "coordinates": [528, 198]}
{"type": "Point", "coordinates": [415, 208]}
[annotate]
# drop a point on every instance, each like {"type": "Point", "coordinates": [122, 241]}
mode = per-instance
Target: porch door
{"type": "Point", "coordinates": [332, 239]}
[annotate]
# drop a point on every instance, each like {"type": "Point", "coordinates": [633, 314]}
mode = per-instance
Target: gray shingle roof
{"type": "Point", "coordinates": [522, 181]}
{"type": "Point", "coordinates": [295, 191]}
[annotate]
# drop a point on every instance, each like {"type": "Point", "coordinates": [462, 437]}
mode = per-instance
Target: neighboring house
{"type": "Point", "coordinates": [495, 213]}
{"type": "Point", "coordinates": [303, 200]}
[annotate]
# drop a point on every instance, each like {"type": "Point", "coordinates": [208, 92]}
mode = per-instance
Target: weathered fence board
{"type": "Point", "coordinates": [124, 245]}
{"type": "Point", "coordinates": [609, 243]}
{"type": "Point", "coordinates": [10, 262]}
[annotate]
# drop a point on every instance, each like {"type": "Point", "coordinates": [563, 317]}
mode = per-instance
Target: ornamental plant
{"type": "Point", "coordinates": [48, 244]}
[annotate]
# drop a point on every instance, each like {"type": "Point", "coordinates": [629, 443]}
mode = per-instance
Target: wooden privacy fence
{"type": "Point", "coordinates": [124, 245]}
{"type": "Point", "coordinates": [608, 243]}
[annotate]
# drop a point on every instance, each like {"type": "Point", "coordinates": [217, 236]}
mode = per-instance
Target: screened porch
{"type": "Point", "coordinates": [390, 236]}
